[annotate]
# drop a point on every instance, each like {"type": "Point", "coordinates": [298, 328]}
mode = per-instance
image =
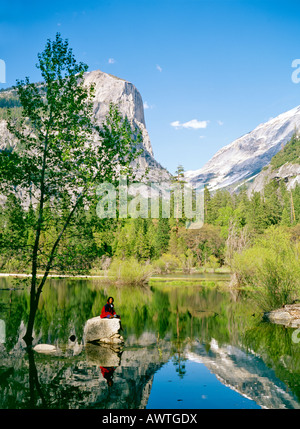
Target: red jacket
{"type": "Point", "coordinates": [107, 371]}
{"type": "Point", "coordinates": [107, 310]}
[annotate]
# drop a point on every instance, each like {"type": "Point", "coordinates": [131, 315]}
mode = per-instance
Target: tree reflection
{"type": "Point", "coordinates": [177, 316]}
{"type": "Point", "coordinates": [35, 390]}
{"type": "Point", "coordinates": [179, 359]}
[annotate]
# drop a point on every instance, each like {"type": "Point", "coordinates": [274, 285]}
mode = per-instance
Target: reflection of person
{"type": "Point", "coordinates": [108, 373]}
{"type": "Point", "coordinates": [108, 311]}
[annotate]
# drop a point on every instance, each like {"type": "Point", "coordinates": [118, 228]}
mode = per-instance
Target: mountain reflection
{"type": "Point", "coordinates": [162, 325]}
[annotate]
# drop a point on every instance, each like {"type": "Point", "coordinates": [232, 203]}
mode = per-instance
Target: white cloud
{"type": "Point", "coordinates": [148, 106]}
{"type": "Point", "coordinates": [111, 61]}
{"type": "Point", "coordinates": [220, 123]}
{"type": "Point", "coordinates": [158, 67]}
{"type": "Point", "coordinates": [194, 124]}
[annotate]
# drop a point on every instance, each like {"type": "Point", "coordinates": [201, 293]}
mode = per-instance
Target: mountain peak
{"type": "Point", "coordinates": [110, 89]}
{"type": "Point", "coordinates": [246, 156]}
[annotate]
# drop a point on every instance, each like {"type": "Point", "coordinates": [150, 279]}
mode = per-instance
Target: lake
{"type": "Point", "coordinates": [195, 346]}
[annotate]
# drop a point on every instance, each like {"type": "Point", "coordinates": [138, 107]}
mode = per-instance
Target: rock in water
{"type": "Point", "coordinates": [289, 316]}
{"type": "Point", "coordinates": [44, 348]}
{"type": "Point", "coordinates": [104, 330]}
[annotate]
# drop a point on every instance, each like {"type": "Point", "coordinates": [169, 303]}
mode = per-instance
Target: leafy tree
{"type": "Point", "coordinates": [61, 153]}
{"type": "Point", "coordinates": [124, 240]}
{"type": "Point", "coordinates": [12, 231]}
{"type": "Point", "coordinates": [205, 242]}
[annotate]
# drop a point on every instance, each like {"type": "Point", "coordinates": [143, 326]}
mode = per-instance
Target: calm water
{"type": "Point", "coordinates": [185, 347]}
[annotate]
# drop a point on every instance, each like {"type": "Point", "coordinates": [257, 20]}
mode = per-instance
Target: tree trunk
{"type": "Point", "coordinates": [33, 301]}
{"type": "Point", "coordinates": [28, 336]}
{"type": "Point", "coordinates": [35, 294]}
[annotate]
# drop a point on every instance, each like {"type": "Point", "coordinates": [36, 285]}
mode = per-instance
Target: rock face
{"type": "Point", "coordinates": [288, 172]}
{"type": "Point", "coordinates": [289, 316]}
{"type": "Point", "coordinates": [125, 95]}
{"type": "Point", "coordinates": [110, 88]}
{"type": "Point", "coordinates": [245, 157]}
{"type": "Point", "coordinates": [103, 330]}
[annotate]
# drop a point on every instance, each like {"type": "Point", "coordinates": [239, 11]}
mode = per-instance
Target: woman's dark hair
{"type": "Point", "coordinates": [109, 299]}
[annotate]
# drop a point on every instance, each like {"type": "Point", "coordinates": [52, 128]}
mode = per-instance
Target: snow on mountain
{"type": "Point", "coordinates": [245, 157]}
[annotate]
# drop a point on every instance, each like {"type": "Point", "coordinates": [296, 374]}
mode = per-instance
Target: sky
{"type": "Point", "coordinates": [208, 71]}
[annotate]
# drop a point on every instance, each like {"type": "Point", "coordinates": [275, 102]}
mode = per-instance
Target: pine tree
{"type": "Point", "coordinates": [177, 199]}
{"type": "Point", "coordinates": [162, 235]}
{"type": "Point", "coordinates": [285, 218]}
{"type": "Point", "coordinates": [142, 248]}
{"type": "Point", "coordinates": [272, 203]}
{"type": "Point", "coordinates": [207, 206]}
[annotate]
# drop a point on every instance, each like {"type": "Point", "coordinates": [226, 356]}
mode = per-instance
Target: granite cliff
{"type": "Point", "coordinates": [244, 158]}
{"type": "Point", "coordinates": [108, 89]}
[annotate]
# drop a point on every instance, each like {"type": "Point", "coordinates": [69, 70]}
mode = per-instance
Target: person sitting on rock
{"type": "Point", "coordinates": [108, 311]}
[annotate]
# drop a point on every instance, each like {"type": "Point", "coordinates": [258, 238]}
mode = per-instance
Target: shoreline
{"type": "Point", "coordinates": [84, 276]}
{"type": "Point", "coordinates": [52, 275]}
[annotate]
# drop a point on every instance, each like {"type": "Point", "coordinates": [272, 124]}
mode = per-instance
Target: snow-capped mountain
{"type": "Point", "coordinates": [244, 158]}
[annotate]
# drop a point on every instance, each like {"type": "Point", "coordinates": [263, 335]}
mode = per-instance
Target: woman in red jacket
{"type": "Point", "coordinates": [108, 310]}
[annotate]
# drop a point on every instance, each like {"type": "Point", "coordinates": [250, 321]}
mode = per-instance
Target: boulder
{"type": "Point", "coordinates": [289, 316]}
{"type": "Point", "coordinates": [44, 348]}
{"type": "Point", "coordinates": [102, 330]}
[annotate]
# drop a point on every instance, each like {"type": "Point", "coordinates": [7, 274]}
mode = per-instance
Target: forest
{"type": "Point", "coordinates": [254, 237]}
{"type": "Point", "coordinates": [233, 222]}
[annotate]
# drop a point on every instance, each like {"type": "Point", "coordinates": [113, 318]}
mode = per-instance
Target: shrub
{"type": "Point", "coordinates": [166, 264]}
{"type": "Point", "coordinates": [272, 266]}
{"type": "Point", "coordinates": [187, 261]}
{"type": "Point", "coordinates": [129, 272]}
{"type": "Point", "coordinates": [212, 263]}
{"type": "Point", "coordinates": [278, 285]}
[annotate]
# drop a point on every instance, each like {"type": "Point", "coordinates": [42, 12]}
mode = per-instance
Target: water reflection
{"type": "Point", "coordinates": [103, 355]}
{"type": "Point", "coordinates": [172, 336]}
{"type": "Point", "coordinates": [35, 390]}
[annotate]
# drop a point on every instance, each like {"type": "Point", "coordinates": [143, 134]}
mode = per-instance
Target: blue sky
{"type": "Point", "coordinates": [208, 71]}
